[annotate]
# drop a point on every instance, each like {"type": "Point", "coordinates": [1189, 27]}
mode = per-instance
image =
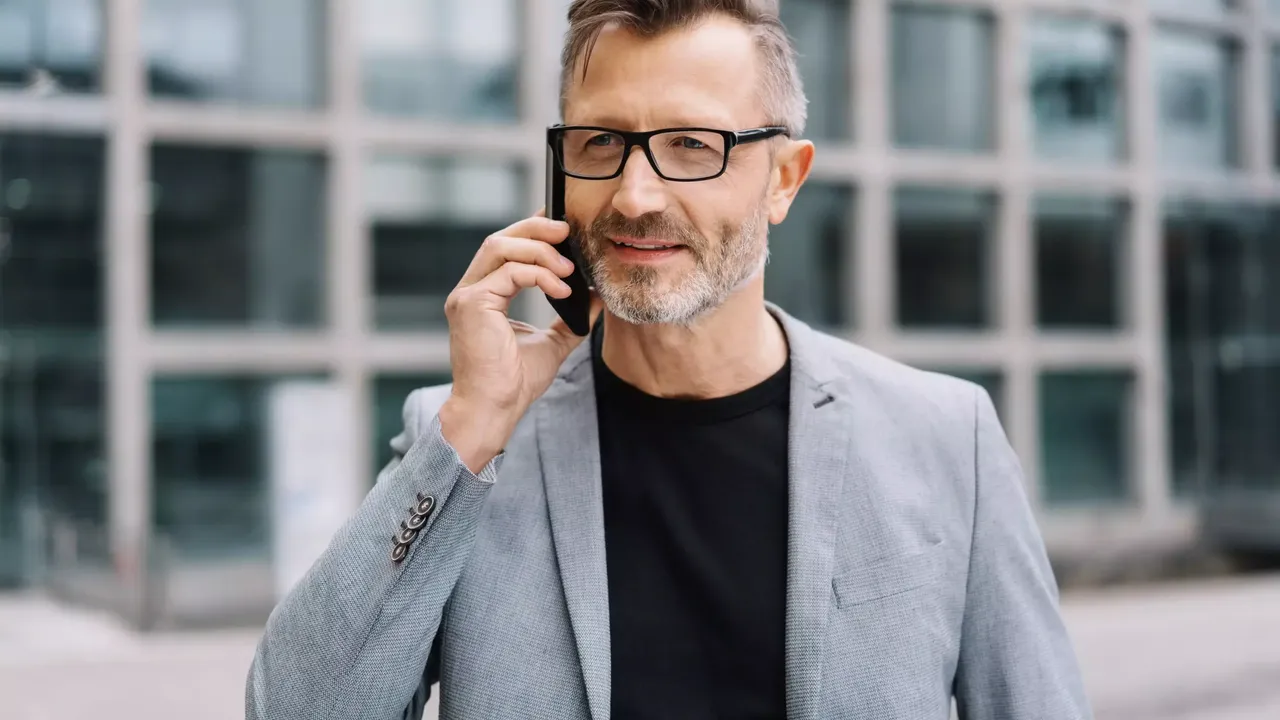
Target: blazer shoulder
{"type": "Point", "coordinates": [893, 384]}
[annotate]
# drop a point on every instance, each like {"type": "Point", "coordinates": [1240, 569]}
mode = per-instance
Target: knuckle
{"type": "Point", "coordinates": [452, 301]}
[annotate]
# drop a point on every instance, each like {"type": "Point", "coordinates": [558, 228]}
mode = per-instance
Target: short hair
{"type": "Point", "coordinates": [782, 92]}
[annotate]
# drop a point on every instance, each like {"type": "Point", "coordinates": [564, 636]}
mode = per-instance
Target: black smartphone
{"type": "Point", "coordinates": [575, 310]}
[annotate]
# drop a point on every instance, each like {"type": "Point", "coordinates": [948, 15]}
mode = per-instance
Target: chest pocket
{"type": "Point", "coordinates": [888, 577]}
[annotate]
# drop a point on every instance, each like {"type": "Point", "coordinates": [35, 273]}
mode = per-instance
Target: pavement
{"type": "Point", "coordinates": [1206, 650]}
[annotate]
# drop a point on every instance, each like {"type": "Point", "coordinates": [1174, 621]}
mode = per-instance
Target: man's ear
{"type": "Point", "coordinates": [791, 167]}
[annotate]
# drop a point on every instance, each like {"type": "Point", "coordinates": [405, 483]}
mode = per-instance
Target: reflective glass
{"type": "Point", "coordinates": [1198, 90]}
{"type": "Point", "coordinates": [52, 432]}
{"type": "Point", "coordinates": [1081, 245]}
{"type": "Point", "coordinates": [1273, 8]}
{"type": "Point", "coordinates": [944, 261]}
{"type": "Point", "coordinates": [441, 59]}
{"type": "Point", "coordinates": [1085, 437]}
{"type": "Point", "coordinates": [238, 237]}
{"type": "Point", "coordinates": [1076, 89]}
{"type": "Point", "coordinates": [252, 53]}
{"type": "Point", "coordinates": [51, 44]}
{"type": "Point", "coordinates": [809, 256]}
{"type": "Point", "coordinates": [428, 217]}
{"type": "Point", "coordinates": [943, 78]}
{"type": "Point", "coordinates": [1222, 308]}
{"type": "Point", "coordinates": [821, 30]}
{"type": "Point", "coordinates": [211, 453]}
{"type": "Point", "coordinates": [389, 394]}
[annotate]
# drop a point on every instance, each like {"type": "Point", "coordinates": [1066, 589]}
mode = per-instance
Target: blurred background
{"type": "Point", "coordinates": [227, 228]}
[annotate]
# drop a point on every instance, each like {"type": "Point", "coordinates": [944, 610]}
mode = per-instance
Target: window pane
{"type": "Point", "coordinates": [944, 258]}
{"type": "Point", "coordinates": [809, 256]}
{"type": "Point", "coordinates": [1273, 7]}
{"type": "Point", "coordinates": [429, 216]}
{"type": "Point", "coordinates": [1085, 436]}
{"type": "Point", "coordinates": [251, 53]}
{"type": "Point", "coordinates": [943, 68]}
{"type": "Point", "coordinates": [1080, 261]}
{"type": "Point", "coordinates": [51, 202]}
{"type": "Point", "coordinates": [1075, 89]}
{"type": "Point", "coordinates": [389, 394]}
{"type": "Point", "coordinates": [820, 29]}
{"type": "Point", "coordinates": [211, 449]}
{"type": "Point", "coordinates": [1216, 9]}
{"type": "Point", "coordinates": [1198, 90]}
{"type": "Point", "coordinates": [1222, 285]}
{"type": "Point", "coordinates": [62, 38]}
{"type": "Point", "coordinates": [238, 237]}
{"type": "Point", "coordinates": [441, 59]}
{"type": "Point", "coordinates": [52, 436]}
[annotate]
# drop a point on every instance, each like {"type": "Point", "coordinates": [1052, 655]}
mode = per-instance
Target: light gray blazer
{"type": "Point", "coordinates": [915, 568]}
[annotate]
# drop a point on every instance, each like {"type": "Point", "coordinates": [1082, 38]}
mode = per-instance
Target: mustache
{"type": "Point", "coordinates": [650, 225]}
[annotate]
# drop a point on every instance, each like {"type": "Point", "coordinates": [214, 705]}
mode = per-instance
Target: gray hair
{"type": "Point", "coordinates": [782, 92]}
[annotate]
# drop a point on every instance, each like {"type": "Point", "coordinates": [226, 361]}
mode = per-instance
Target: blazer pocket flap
{"type": "Point", "coordinates": [887, 577]}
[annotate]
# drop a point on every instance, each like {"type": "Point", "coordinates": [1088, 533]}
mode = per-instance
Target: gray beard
{"type": "Point", "coordinates": [740, 259]}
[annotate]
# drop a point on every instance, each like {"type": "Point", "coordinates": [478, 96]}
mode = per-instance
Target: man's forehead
{"type": "Point", "coordinates": [704, 75]}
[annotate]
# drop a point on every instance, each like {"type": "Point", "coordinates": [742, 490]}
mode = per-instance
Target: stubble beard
{"type": "Point", "coordinates": [646, 296]}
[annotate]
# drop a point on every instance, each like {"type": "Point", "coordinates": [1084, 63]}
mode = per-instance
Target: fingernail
{"type": "Point", "coordinates": [566, 262]}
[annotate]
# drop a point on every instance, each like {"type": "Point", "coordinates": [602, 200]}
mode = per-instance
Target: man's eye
{"type": "Point", "coordinates": [690, 143]}
{"type": "Point", "coordinates": [600, 140]}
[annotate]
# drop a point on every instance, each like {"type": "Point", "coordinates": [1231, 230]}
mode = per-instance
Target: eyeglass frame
{"type": "Point", "coordinates": [634, 139]}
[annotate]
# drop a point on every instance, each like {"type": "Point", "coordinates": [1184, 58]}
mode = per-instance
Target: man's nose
{"type": "Point", "coordinates": [641, 190]}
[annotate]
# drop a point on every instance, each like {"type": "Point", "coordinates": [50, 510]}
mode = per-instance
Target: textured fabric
{"type": "Point", "coordinates": [695, 521]}
{"type": "Point", "coordinates": [914, 566]}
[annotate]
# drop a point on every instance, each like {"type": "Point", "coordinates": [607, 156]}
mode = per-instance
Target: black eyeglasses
{"type": "Point", "coordinates": [686, 154]}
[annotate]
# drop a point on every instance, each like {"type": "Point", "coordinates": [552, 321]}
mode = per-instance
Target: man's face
{"type": "Point", "coordinates": [713, 232]}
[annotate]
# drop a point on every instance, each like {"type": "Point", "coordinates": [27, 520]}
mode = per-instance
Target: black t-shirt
{"type": "Point", "coordinates": [695, 516]}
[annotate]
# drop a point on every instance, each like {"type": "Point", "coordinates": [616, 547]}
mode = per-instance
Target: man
{"type": "Point", "coordinates": [706, 510]}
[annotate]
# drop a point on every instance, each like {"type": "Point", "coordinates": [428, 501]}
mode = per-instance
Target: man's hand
{"type": "Point", "coordinates": [500, 366]}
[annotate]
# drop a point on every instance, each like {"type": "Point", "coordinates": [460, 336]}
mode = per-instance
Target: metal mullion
{"type": "Point", "coordinates": [1108, 11]}
{"type": "Point", "coordinates": [1012, 265]}
{"type": "Point", "coordinates": [234, 126]}
{"type": "Point", "coordinates": [1149, 449]}
{"type": "Point", "coordinates": [873, 273]}
{"type": "Point", "coordinates": [348, 289]}
{"type": "Point", "coordinates": [127, 316]}
{"type": "Point", "coordinates": [66, 114]}
{"type": "Point", "coordinates": [241, 352]}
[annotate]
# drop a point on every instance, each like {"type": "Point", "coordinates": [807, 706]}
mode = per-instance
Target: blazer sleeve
{"type": "Point", "coordinates": [1016, 660]}
{"type": "Point", "coordinates": [353, 637]}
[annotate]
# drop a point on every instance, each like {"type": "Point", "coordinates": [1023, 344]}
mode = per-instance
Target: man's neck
{"type": "Point", "coordinates": [732, 348]}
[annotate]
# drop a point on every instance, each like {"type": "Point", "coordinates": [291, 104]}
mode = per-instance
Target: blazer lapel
{"type": "Point", "coordinates": [569, 448]}
{"type": "Point", "coordinates": [819, 447]}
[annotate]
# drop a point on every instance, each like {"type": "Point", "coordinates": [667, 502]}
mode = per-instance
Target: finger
{"type": "Point", "coordinates": [507, 281]}
{"type": "Point", "coordinates": [499, 250]}
{"type": "Point", "coordinates": [538, 228]}
{"type": "Point", "coordinates": [542, 212]}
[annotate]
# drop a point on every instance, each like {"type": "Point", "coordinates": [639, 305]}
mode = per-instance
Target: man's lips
{"type": "Point", "coordinates": [644, 243]}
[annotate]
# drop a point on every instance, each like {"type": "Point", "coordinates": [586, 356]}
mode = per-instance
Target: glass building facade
{"type": "Point", "coordinates": [1075, 203]}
